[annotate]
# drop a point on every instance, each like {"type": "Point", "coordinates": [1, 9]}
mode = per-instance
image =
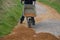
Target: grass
{"type": "Point", "coordinates": [10, 12]}
{"type": "Point", "coordinates": [53, 3]}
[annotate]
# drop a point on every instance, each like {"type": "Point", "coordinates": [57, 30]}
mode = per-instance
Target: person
{"type": "Point", "coordinates": [28, 2]}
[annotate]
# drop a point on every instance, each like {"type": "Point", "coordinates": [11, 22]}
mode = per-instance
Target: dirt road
{"type": "Point", "coordinates": [48, 19]}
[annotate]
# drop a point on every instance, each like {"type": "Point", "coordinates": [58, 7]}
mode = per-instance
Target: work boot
{"type": "Point", "coordinates": [22, 19]}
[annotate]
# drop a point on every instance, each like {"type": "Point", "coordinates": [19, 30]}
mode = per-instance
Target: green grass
{"type": "Point", "coordinates": [53, 3]}
{"type": "Point", "coordinates": [9, 15]}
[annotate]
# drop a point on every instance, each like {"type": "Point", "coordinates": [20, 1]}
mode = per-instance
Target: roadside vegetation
{"type": "Point", "coordinates": [10, 12]}
{"type": "Point", "coordinates": [53, 3]}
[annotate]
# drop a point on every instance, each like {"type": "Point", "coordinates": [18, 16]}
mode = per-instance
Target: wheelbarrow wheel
{"type": "Point", "coordinates": [29, 22]}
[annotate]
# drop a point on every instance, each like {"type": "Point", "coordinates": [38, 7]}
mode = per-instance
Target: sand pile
{"type": "Point", "coordinates": [45, 36]}
{"type": "Point", "coordinates": [0, 38]}
{"type": "Point", "coordinates": [59, 37]}
{"type": "Point", "coordinates": [24, 33]}
{"type": "Point", "coordinates": [21, 33]}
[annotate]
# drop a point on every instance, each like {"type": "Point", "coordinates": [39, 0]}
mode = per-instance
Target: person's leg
{"type": "Point", "coordinates": [33, 20]}
{"type": "Point", "coordinates": [22, 19]}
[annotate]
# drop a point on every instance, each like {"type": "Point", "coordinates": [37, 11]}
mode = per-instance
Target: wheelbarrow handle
{"type": "Point", "coordinates": [34, 3]}
{"type": "Point", "coordinates": [21, 1]}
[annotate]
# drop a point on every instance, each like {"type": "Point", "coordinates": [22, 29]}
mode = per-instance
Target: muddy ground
{"type": "Point", "coordinates": [24, 33]}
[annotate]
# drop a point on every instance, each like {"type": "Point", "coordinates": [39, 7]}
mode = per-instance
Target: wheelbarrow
{"type": "Point", "coordinates": [29, 11]}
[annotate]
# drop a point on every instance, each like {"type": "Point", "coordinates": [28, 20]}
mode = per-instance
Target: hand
{"type": "Point", "coordinates": [34, 3]}
{"type": "Point", "coordinates": [21, 2]}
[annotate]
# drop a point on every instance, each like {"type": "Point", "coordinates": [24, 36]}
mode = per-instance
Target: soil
{"type": "Point", "coordinates": [24, 33]}
{"type": "Point", "coordinates": [59, 37]}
